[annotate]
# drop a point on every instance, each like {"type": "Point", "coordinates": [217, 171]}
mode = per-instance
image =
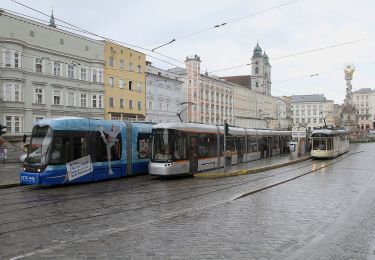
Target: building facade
{"type": "Point", "coordinates": [125, 83]}
{"type": "Point", "coordinates": [364, 101]}
{"type": "Point", "coordinates": [311, 111]}
{"type": "Point", "coordinates": [210, 98]}
{"type": "Point", "coordinates": [165, 96]}
{"type": "Point", "coordinates": [47, 72]}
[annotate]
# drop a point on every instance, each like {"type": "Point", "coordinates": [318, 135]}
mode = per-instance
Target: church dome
{"type": "Point", "coordinates": [257, 51]}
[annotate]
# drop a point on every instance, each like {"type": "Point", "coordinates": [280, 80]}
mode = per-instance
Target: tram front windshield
{"type": "Point", "coordinates": [162, 143]}
{"type": "Point", "coordinates": [39, 145]}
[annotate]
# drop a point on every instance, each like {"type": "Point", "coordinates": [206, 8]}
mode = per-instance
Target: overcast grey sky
{"type": "Point", "coordinates": [300, 26]}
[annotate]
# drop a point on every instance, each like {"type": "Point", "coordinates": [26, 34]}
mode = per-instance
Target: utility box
{"type": "Point", "coordinates": [293, 148]}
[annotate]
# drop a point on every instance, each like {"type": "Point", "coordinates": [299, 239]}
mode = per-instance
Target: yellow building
{"type": "Point", "coordinates": [124, 83]}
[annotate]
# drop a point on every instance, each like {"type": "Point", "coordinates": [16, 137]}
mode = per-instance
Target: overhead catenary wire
{"type": "Point", "coordinates": [302, 52]}
{"type": "Point", "coordinates": [226, 23]}
{"type": "Point", "coordinates": [102, 37]}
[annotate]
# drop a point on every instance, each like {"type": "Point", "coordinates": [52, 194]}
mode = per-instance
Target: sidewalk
{"type": "Point", "coordinates": [252, 167]}
{"type": "Point", "coordinates": [9, 174]}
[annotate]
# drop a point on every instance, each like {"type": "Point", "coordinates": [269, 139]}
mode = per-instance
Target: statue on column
{"type": "Point", "coordinates": [349, 70]}
{"type": "Point", "coordinates": [348, 115]}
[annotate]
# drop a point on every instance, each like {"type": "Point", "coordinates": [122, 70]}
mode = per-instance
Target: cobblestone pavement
{"type": "Point", "coordinates": [329, 213]}
{"type": "Point", "coordinates": [9, 174]}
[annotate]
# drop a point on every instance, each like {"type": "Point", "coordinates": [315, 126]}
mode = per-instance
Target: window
{"type": "Point", "coordinates": [56, 68]}
{"type": "Point", "coordinates": [130, 66]}
{"type": "Point", "coordinates": [122, 64]}
{"type": "Point", "coordinates": [94, 76]}
{"type": "Point", "coordinates": [167, 107]}
{"type": "Point", "coordinates": [71, 99]}
{"type": "Point", "coordinates": [100, 76]}
{"type": "Point", "coordinates": [111, 102]}
{"type": "Point", "coordinates": [14, 123]}
{"type": "Point", "coordinates": [57, 97]}
{"type": "Point", "coordinates": [111, 82]}
{"type": "Point", "coordinates": [122, 103]}
{"type": "Point", "coordinates": [38, 65]}
{"type": "Point", "coordinates": [122, 83]}
{"type": "Point", "coordinates": [150, 105]}
{"type": "Point", "coordinates": [7, 58]}
{"type": "Point", "coordinates": [101, 147]}
{"type": "Point", "coordinates": [32, 34]}
{"type": "Point", "coordinates": [38, 95]}
{"type": "Point", "coordinates": [62, 41]}
{"type": "Point", "coordinates": [139, 68]}
{"type": "Point", "coordinates": [256, 70]}
{"type": "Point", "coordinates": [139, 105]}
{"type": "Point", "coordinates": [97, 101]}
{"type": "Point", "coordinates": [83, 100]}
{"type": "Point", "coordinates": [87, 48]}
{"type": "Point", "coordinates": [131, 104]}
{"type": "Point", "coordinates": [256, 84]}
{"type": "Point", "coordinates": [71, 71]}
{"type": "Point", "coordinates": [144, 145]}
{"type": "Point", "coordinates": [16, 60]}
{"type": "Point", "coordinates": [130, 85]}
{"type": "Point", "coordinates": [13, 92]}
{"type": "Point", "coordinates": [83, 74]}
{"type": "Point", "coordinates": [139, 86]}
{"type": "Point", "coordinates": [111, 62]}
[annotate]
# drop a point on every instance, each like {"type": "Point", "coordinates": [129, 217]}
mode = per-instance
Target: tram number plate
{"type": "Point", "coordinates": [29, 179]}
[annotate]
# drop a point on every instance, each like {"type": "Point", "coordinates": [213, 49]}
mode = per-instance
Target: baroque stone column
{"type": "Point", "coordinates": [349, 114]}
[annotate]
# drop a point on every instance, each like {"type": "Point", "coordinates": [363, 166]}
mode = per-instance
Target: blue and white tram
{"type": "Point", "coordinates": [187, 148]}
{"type": "Point", "coordinates": [72, 150]}
{"type": "Point", "coordinates": [329, 143]}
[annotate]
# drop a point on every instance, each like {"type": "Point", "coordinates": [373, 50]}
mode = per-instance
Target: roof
{"type": "Point", "coordinates": [364, 91]}
{"type": "Point", "coordinates": [243, 80]}
{"type": "Point", "coordinates": [308, 98]}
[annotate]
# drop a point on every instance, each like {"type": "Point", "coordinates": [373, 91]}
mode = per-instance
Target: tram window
{"type": "Point", "coordinates": [207, 146]}
{"type": "Point", "coordinates": [252, 144]}
{"type": "Point", "coordinates": [79, 147]}
{"type": "Point", "coordinates": [231, 145]}
{"type": "Point", "coordinates": [179, 149]}
{"type": "Point", "coordinates": [101, 147]}
{"type": "Point", "coordinates": [319, 143]}
{"type": "Point", "coordinates": [144, 146]}
{"type": "Point", "coordinates": [60, 150]}
{"type": "Point", "coordinates": [329, 143]}
{"type": "Point", "coordinates": [275, 142]}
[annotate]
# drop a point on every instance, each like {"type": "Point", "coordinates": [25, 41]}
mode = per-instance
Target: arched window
{"type": "Point", "coordinates": [256, 70]}
{"type": "Point", "coordinates": [257, 84]}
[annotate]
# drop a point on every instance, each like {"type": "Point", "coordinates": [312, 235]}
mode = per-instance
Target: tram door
{"type": "Point", "coordinates": [240, 146]}
{"type": "Point", "coordinates": [192, 154]}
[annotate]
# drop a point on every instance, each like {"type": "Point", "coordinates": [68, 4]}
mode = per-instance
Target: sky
{"type": "Point", "coordinates": [288, 27]}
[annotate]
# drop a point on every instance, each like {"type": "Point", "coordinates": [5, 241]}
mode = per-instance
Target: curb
{"type": "Point", "coordinates": [216, 175]}
{"type": "Point", "coordinates": [10, 185]}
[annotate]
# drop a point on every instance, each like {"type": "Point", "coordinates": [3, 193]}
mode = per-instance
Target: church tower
{"type": "Point", "coordinates": [260, 72]}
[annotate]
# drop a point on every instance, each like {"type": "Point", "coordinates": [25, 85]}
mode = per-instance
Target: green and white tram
{"type": "Point", "coordinates": [329, 143]}
{"type": "Point", "coordinates": [187, 148]}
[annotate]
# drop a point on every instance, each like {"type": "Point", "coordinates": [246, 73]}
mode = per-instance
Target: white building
{"type": "Point", "coordinates": [47, 72]}
{"type": "Point", "coordinates": [165, 91]}
{"type": "Point", "coordinates": [311, 111]}
{"type": "Point", "coordinates": [211, 97]}
{"type": "Point", "coordinates": [364, 101]}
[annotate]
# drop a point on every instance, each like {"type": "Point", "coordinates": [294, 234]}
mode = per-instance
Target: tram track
{"type": "Point", "coordinates": [136, 187]}
{"type": "Point", "coordinates": [231, 185]}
